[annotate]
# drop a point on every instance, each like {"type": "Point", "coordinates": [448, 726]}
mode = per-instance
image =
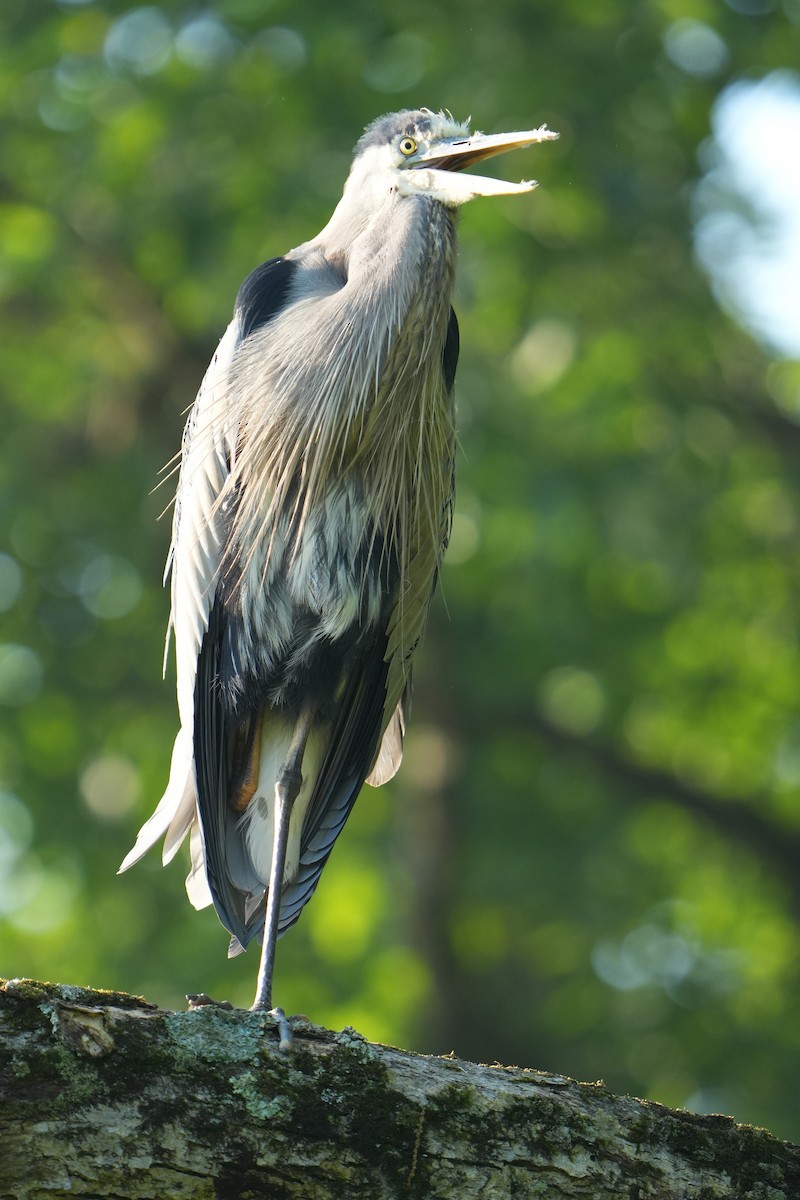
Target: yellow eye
{"type": "Point", "coordinates": [408, 146]}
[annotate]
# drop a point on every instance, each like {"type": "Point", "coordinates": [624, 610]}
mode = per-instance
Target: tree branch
{"type": "Point", "coordinates": [105, 1095]}
{"type": "Point", "coordinates": [740, 818]}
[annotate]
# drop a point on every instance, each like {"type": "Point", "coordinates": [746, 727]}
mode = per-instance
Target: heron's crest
{"type": "Point", "coordinates": [409, 121]}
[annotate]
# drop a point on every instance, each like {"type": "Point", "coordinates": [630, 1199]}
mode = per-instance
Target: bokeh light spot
{"type": "Point", "coordinates": [140, 41]}
{"type": "Point", "coordinates": [16, 830]}
{"type": "Point", "coordinates": [399, 63]}
{"type": "Point", "coordinates": [203, 42]}
{"type": "Point", "coordinates": [110, 787]}
{"type": "Point", "coordinates": [10, 582]}
{"type": "Point", "coordinates": [694, 47]}
{"type": "Point", "coordinates": [573, 699]}
{"type": "Point", "coordinates": [20, 674]}
{"type": "Point", "coordinates": [543, 356]}
{"type": "Point", "coordinates": [342, 924]}
{"type": "Point", "coordinates": [110, 587]}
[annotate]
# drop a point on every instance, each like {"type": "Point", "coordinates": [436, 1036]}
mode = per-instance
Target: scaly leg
{"type": "Point", "coordinates": [287, 788]}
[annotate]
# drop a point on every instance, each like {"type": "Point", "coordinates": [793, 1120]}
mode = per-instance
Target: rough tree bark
{"type": "Point", "coordinates": [103, 1095]}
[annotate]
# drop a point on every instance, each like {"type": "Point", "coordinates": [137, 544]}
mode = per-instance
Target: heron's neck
{"type": "Point", "coordinates": [354, 376]}
{"type": "Point", "coordinates": [402, 243]}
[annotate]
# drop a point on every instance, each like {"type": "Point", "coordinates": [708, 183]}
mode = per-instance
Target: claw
{"type": "Point", "coordinates": [201, 1000]}
{"type": "Point", "coordinates": [286, 1042]}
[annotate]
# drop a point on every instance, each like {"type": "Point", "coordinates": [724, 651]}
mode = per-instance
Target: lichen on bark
{"type": "Point", "coordinates": [104, 1095]}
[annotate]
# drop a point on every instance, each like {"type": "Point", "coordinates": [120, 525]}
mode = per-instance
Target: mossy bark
{"type": "Point", "coordinates": [104, 1095]}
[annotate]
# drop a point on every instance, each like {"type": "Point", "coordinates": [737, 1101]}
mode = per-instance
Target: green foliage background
{"type": "Point", "coordinates": [589, 861]}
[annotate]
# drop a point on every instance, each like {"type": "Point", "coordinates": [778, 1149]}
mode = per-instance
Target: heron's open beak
{"type": "Point", "coordinates": [435, 170]}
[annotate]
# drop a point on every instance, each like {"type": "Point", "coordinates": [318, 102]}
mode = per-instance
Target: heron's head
{"type": "Point", "coordinates": [421, 153]}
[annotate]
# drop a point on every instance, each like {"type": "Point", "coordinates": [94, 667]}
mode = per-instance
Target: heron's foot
{"type": "Point", "coordinates": [285, 1035]}
{"type": "Point", "coordinates": [201, 1000]}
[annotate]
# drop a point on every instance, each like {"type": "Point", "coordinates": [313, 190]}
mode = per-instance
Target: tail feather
{"type": "Point", "coordinates": [182, 822]}
{"type": "Point", "coordinates": [197, 888]}
{"type": "Point", "coordinates": [390, 752]}
{"type": "Point", "coordinates": [175, 810]}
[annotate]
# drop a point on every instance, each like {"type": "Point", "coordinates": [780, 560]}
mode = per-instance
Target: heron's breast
{"type": "Point", "coordinates": [339, 569]}
{"type": "Point", "coordinates": [322, 573]}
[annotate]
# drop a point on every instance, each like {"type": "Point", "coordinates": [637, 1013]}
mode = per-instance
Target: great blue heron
{"type": "Point", "coordinates": [311, 516]}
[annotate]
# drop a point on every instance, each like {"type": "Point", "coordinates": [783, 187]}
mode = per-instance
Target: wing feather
{"type": "Point", "coordinates": [193, 561]}
{"type": "Point", "coordinates": [200, 522]}
{"type": "Point", "coordinates": [410, 614]}
{"type": "Point", "coordinates": [351, 749]}
{"type": "Point", "coordinates": [199, 530]}
{"type": "Point", "coordinates": [217, 733]}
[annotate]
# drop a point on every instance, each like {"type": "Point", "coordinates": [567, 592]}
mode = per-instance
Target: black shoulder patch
{"type": "Point", "coordinates": [450, 352]}
{"type": "Point", "coordinates": [263, 294]}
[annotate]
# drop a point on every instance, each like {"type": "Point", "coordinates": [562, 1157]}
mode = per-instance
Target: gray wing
{"type": "Point", "coordinates": [198, 539]}
{"type": "Point", "coordinates": [410, 613]}
{"type": "Point", "coordinates": [193, 561]}
{"type": "Point", "coordinates": [351, 748]}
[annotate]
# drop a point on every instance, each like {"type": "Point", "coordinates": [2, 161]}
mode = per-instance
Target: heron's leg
{"type": "Point", "coordinates": [287, 788]}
